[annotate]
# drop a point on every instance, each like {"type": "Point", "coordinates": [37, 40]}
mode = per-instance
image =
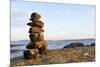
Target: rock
{"type": "Point", "coordinates": [41, 37]}
{"type": "Point", "coordinates": [39, 24]}
{"type": "Point", "coordinates": [31, 54]}
{"type": "Point", "coordinates": [35, 17]}
{"type": "Point", "coordinates": [43, 49]}
{"type": "Point", "coordinates": [85, 54]}
{"type": "Point", "coordinates": [93, 44]}
{"type": "Point", "coordinates": [87, 45]}
{"type": "Point", "coordinates": [40, 45]}
{"type": "Point", "coordinates": [36, 37]}
{"type": "Point", "coordinates": [37, 44]}
{"type": "Point", "coordinates": [31, 45]}
{"type": "Point", "coordinates": [74, 45]}
{"type": "Point", "coordinates": [35, 30]}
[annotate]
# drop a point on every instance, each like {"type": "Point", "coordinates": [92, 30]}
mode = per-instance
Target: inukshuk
{"type": "Point", "coordinates": [37, 44]}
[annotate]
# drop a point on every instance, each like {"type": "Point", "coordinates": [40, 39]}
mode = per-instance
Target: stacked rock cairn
{"type": "Point", "coordinates": [37, 44]}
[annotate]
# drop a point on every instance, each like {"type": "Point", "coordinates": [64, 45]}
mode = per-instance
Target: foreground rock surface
{"type": "Point", "coordinates": [58, 56]}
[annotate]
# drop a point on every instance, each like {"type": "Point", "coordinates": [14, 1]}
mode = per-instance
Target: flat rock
{"type": "Point", "coordinates": [36, 24]}
{"type": "Point", "coordinates": [35, 30]}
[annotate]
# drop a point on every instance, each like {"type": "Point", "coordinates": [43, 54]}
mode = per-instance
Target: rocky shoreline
{"type": "Point", "coordinates": [59, 56]}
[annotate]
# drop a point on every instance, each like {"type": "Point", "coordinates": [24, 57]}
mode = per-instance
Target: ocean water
{"type": "Point", "coordinates": [17, 47]}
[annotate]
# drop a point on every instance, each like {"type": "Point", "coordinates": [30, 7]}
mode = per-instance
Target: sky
{"type": "Point", "coordinates": [61, 21]}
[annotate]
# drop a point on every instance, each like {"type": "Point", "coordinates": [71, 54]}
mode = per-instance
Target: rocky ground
{"type": "Point", "coordinates": [58, 56]}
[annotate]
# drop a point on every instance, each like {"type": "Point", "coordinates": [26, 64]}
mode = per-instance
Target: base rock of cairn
{"type": "Point", "coordinates": [37, 44]}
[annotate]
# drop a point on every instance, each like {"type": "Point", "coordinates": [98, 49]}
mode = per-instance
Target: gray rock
{"type": "Point", "coordinates": [93, 44]}
{"type": "Point", "coordinates": [74, 45]}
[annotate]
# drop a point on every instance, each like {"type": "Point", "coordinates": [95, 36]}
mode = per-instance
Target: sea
{"type": "Point", "coordinates": [17, 47]}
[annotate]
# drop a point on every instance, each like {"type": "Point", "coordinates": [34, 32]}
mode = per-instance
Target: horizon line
{"type": "Point", "coordinates": [56, 39]}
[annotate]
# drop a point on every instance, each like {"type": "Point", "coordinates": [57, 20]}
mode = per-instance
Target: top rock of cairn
{"type": "Point", "coordinates": [35, 21]}
{"type": "Point", "coordinates": [35, 17]}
